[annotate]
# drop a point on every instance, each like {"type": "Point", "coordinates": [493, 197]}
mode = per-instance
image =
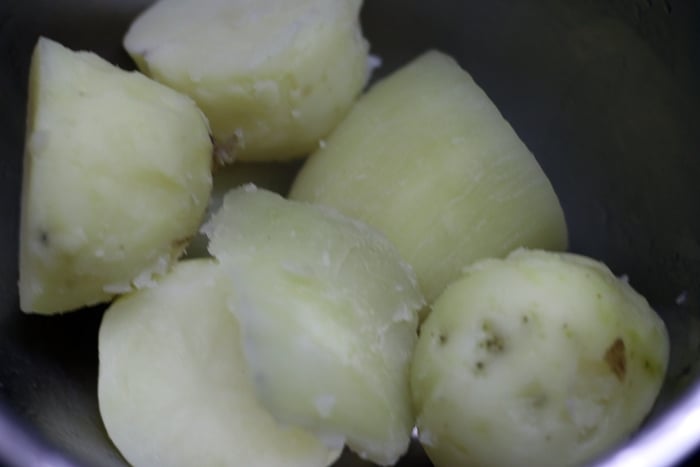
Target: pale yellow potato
{"type": "Point", "coordinates": [174, 389]}
{"type": "Point", "coordinates": [117, 176]}
{"type": "Point", "coordinates": [273, 176]}
{"type": "Point", "coordinates": [426, 158]}
{"type": "Point", "coordinates": [328, 313]}
{"type": "Point", "coordinates": [272, 76]}
{"type": "Point", "coordinates": [540, 359]}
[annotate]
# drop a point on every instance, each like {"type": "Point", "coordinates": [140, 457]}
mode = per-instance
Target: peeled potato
{"type": "Point", "coordinates": [539, 359]}
{"type": "Point", "coordinates": [117, 176]}
{"type": "Point", "coordinates": [174, 389]}
{"type": "Point", "coordinates": [272, 76]}
{"type": "Point", "coordinates": [273, 176]}
{"type": "Point", "coordinates": [328, 314]}
{"type": "Point", "coordinates": [426, 158]}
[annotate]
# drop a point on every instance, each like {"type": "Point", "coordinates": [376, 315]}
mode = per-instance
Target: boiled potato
{"type": "Point", "coordinates": [273, 176]}
{"type": "Point", "coordinates": [426, 158]}
{"type": "Point", "coordinates": [272, 76]}
{"type": "Point", "coordinates": [173, 386]}
{"type": "Point", "coordinates": [540, 359]}
{"type": "Point", "coordinates": [328, 314]}
{"type": "Point", "coordinates": [117, 176]}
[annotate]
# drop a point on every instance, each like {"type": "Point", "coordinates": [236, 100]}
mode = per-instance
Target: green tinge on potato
{"type": "Point", "coordinates": [328, 313]}
{"type": "Point", "coordinates": [117, 176]}
{"type": "Point", "coordinates": [426, 158]}
{"type": "Point", "coordinates": [539, 359]}
{"type": "Point", "coordinates": [174, 389]}
{"type": "Point", "coordinates": [273, 77]}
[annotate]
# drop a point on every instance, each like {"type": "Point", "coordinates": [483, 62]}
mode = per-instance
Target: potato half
{"type": "Point", "coordinates": [539, 359]}
{"type": "Point", "coordinates": [174, 389]}
{"type": "Point", "coordinates": [117, 177]}
{"type": "Point", "coordinates": [328, 313]}
{"type": "Point", "coordinates": [426, 158]}
{"type": "Point", "coordinates": [272, 76]}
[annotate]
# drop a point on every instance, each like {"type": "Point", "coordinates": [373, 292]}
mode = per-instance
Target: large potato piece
{"type": "Point", "coordinates": [272, 76]}
{"type": "Point", "coordinates": [426, 158]}
{"type": "Point", "coordinates": [174, 389]}
{"type": "Point", "coordinates": [540, 359]}
{"type": "Point", "coordinates": [117, 176]}
{"type": "Point", "coordinates": [328, 314]}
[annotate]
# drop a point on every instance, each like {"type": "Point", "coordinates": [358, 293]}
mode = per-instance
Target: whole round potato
{"type": "Point", "coordinates": [539, 359]}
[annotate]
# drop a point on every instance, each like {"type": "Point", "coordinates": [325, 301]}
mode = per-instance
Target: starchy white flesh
{"type": "Point", "coordinates": [427, 159]}
{"type": "Point", "coordinates": [539, 359]}
{"type": "Point", "coordinates": [117, 176]}
{"type": "Point", "coordinates": [328, 313]}
{"type": "Point", "coordinates": [272, 76]}
{"type": "Point", "coordinates": [174, 389]}
{"type": "Point", "coordinates": [273, 176]}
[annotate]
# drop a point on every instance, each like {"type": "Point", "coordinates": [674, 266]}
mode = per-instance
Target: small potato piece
{"type": "Point", "coordinates": [117, 176]}
{"type": "Point", "coordinates": [174, 389]}
{"type": "Point", "coordinates": [272, 76]}
{"type": "Point", "coordinates": [328, 314]}
{"type": "Point", "coordinates": [540, 359]}
{"type": "Point", "coordinates": [274, 176]}
{"type": "Point", "coordinates": [426, 158]}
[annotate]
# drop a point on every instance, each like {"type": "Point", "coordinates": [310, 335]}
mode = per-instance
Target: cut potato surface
{"type": "Point", "coordinates": [117, 176]}
{"type": "Point", "coordinates": [273, 176]}
{"type": "Point", "coordinates": [174, 389]}
{"type": "Point", "coordinates": [328, 313]}
{"type": "Point", "coordinates": [272, 76]}
{"type": "Point", "coordinates": [426, 158]}
{"type": "Point", "coordinates": [539, 359]}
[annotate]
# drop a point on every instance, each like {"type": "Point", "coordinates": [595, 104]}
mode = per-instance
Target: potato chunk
{"type": "Point", "coordinates": [117, 176]}
{"type": "Point", "coordinates": [539, 359]}
{"type": "Point", "coordinates": [174, 389]}
{"type": "Point", "coordinates": [426, 158]}
{"type": "Point", "coordinates": [272, 76]}
{"type": "Point", "coordinates": [273, 176]}
{"type": "Point", "coordinates": [328, 314]}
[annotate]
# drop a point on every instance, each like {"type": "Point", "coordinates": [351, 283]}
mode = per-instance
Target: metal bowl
{"type": "Point", "coordinates": [604, 92]}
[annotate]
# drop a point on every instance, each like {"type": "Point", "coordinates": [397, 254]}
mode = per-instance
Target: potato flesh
{"type": "Point", "coordinates": [174, 389]}
{"type": "Point", "coordinates": [273, 176]}
{"type": "Point", "coordinates": [426, 158]}
{"type": "Point", "coordinates": [117, 176]}
{"type": "Point", "coordinates": [329, 315]}
{"type": "Point", "coordinates": [272, 76]}
{"type": "Point", "coordinates": [539, 359]}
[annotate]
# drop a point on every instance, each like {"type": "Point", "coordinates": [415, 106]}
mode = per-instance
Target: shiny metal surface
{"type": "Point", "coordinates": [606, 93]}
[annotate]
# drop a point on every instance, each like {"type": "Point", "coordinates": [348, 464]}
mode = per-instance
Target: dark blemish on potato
{"type": "Point", "coordinates": [599, 296]}
{"type": "Point", "coordinates": [616, 358]}
{"type": "Point", "coordinates": [494, 344]}
{"type": "Point", "coordinates": [480, 366]}
{"type": "Point", "coordinates": [442, 338]}
{"type": "Point", "coordinates": [44, 238]}
{"type": "Point", "coordinates": [548, 438]}
{"type": "Point", "coordinates": [525, 319]}
{"type": "Point", "coordinates": [539, 401]}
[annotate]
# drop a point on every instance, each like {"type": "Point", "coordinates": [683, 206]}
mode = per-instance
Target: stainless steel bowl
{"type": "Point", "coordinates": [604, 92]}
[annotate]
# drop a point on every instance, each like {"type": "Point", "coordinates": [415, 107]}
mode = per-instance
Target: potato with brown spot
{"type": "Point", "coordinates": [552, 356]}
{"type": "Point", "coordinates": [616, 358]}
